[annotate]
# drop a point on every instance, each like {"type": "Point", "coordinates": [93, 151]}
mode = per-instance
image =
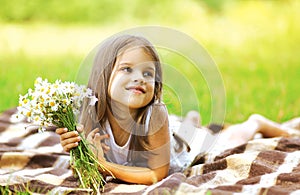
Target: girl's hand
{"type": "Point", "coordinates": [68, 139]}
{"type": "Point", "coordinates": [98, 147]}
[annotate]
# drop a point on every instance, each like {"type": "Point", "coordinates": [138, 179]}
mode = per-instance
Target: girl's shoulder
{"type": "Point", "coordinates": [158, 116]}
{"type": "Point", "coordinates": [159, 112]}
{"type": "Point", "coordinates": [159, 107]}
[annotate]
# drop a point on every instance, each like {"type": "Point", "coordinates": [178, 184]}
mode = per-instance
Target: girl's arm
{"type": "Point", "coordinates": [139, 175]}
{"type": "Point", "coordinates": [158, 160]}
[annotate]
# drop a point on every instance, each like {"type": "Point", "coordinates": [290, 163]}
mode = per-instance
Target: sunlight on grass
{"type": "Point", "coordinates": [254, 43]}
{"type": "Point", "coordinates": [49, 40]}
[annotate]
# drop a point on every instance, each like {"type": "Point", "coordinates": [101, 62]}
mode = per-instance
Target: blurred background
{"type": "Point", "coordinates": [254, 43]}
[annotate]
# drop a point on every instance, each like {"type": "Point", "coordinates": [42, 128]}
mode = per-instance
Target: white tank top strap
{"type": "Point", "coordinates": [147, 122]}
{"type": "Point", "coordinates": [118, 154]}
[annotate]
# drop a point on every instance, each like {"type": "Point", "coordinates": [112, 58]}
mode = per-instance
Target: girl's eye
{"type": "Point", "coordinates": [148, 74]}
{"type": "Point", "coordinates": [126, 69]}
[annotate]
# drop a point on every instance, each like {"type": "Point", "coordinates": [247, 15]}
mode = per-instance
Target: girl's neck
{"type": "Point", "coordinates": [122, 120]}
{"type": "Point", "coordinates": [122, 112]}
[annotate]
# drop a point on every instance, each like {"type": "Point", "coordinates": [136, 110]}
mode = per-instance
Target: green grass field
{"type": "Point", "coordinates": [255, 45]}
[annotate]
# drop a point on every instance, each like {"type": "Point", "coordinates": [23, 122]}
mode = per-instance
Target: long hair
{"type": "Point", "coordinates": [99, 80]}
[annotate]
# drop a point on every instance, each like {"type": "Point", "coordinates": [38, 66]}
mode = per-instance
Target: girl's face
{"type": "Point", "coordinates": [133, 79]}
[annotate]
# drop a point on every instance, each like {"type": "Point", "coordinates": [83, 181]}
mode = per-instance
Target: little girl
{"type": "Point", "coordinates": [129, 124]}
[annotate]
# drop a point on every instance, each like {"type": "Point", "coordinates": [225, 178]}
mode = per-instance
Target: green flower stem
{"type": "Point", "coordinates": [83, 160]}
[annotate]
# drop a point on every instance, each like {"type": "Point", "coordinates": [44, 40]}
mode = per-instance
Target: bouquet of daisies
{"type": "Point", "coordinates": [59, 104]}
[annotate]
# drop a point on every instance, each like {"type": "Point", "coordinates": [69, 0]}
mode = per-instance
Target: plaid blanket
{"type": "Point", "coordinates": [35, 162]}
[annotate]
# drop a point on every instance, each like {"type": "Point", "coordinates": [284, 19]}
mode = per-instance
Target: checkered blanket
{"type": "Point", "coordinates": [35, 162]}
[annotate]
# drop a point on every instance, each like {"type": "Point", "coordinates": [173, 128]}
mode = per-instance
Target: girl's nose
{"type": "Point", "coordinates": [140, 81]}
{"type": "Point", "coordinates": [138, 78]}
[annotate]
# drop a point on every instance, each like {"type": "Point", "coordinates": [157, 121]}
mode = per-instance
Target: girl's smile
{"type": "Point", "coordinates": [137, 89]}
{"type": "Point", "coordinates": [133, 78]}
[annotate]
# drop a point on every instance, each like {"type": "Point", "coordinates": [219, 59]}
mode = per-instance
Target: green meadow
{"type": "Point", "coordinates": [255, 45]}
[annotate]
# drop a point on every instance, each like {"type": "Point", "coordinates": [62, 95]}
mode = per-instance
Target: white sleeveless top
{"type": "Point", "coordinates": [118, 154]}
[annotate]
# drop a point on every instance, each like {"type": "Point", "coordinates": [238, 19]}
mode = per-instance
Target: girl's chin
{"type": "Point", "coordinates": [135, 104]}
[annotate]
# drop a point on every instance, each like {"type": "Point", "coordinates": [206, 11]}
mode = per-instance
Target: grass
{"type": "Point", "coordinates": [18, 190]}
{"type": "Point", "coordinates": [254, 43]}
{"type": "Point", "coordinates": [22, 70]}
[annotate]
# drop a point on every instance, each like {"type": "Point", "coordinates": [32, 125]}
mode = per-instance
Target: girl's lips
{"type": "Point", "coordinates": [137, 89]}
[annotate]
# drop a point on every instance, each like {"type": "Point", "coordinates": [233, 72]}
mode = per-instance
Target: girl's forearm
{"type": "Point", "coordinates": [139, 175]}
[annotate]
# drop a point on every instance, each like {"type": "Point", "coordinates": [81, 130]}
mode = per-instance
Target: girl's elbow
{"type": "Point", "coordinates": [161, 177]}
{"type": "Point", "coordinates": [160, 174]}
